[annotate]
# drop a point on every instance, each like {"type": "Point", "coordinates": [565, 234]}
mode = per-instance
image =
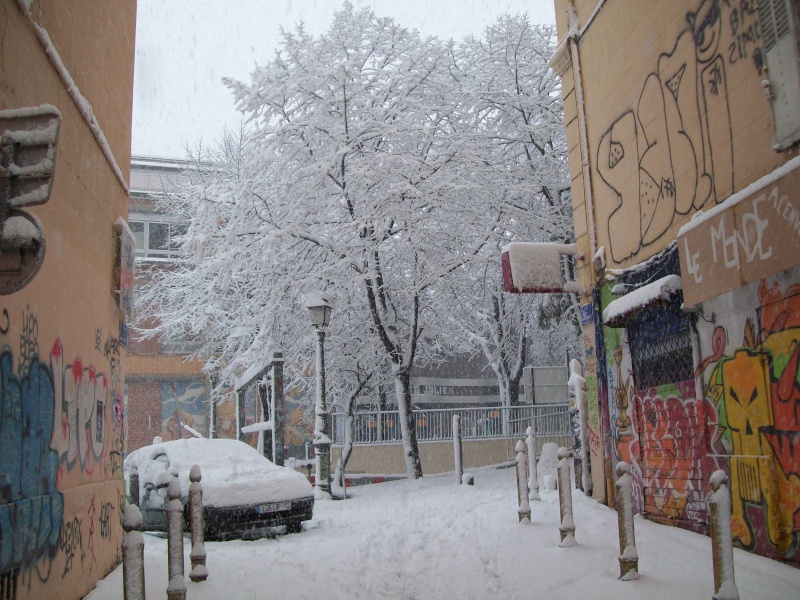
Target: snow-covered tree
{"type": "Point", "coordinates": [516, 99]}
{"type": "Point", "coordinates": [381, 167]}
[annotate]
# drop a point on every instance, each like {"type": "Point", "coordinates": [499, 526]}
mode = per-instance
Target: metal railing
{"type": "Point", "coordinates": [551, 423]}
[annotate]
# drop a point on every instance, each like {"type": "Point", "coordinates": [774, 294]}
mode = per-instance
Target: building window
{"type": "Point", "coordinates": [661, 346]}
{"type": "Point", "coordinates": [156, 239]}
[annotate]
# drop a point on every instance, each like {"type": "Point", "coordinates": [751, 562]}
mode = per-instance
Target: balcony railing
{"type": "Point", "coordinates": [551, 423]}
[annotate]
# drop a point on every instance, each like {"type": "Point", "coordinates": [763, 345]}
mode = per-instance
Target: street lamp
{"type": "Point", "coordinates": [320, 311]}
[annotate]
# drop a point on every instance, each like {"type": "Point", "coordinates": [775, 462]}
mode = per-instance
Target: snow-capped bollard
{"type": "Point", "coordinates": [176, 588]}
{"type": "Point", "coordinates": [567, 527]}
{"type": "Point", "coordinates": [133, 484]}
{"type": "Point", "coordinates": [457, 459]}
{"type": "Point", "coordinates": [199, 571]}
{"type": "Point", "coordinates": [132, 554]}
{"type": "Point", "coordinates": [719, 506]}
{"type": "Point", "coordinates": [533, 477]}
{"type": "Point", "coordinates": [577, 384]}
{"type": "Point", "coordinates": [524, 510]}
{"type": "Point", "coordinates": [628, 556]}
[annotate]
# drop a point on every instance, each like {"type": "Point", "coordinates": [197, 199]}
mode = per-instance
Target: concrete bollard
{"type": "Point", "coordinates": [457, 456]}
{"type": "Point", "coordinates": [533, 478]}
{"type": "Point", "coordinates": [719, 506]}
{"type": "Point", "coordinates": [176, 588]}
{"type": "Point", "coordinates": [567, 527]}
{"type": "Point", "coordinates": [199, 571]}
{"type": "Point", "coordinates": [524, 510]}
{"type": "Point", "coordinates": [133, 484]}
{"type": "Point", "coordinates": [132, 554]}
{"type": "Point", "coordinates": [628, 555]}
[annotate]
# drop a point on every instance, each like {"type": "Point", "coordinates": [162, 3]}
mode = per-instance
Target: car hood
{"type": "Point", "coordinates": [233, 473]}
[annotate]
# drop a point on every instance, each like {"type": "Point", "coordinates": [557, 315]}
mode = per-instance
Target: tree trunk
{"type": "Point", "coordinates": [513, 392]}
{"type": "Point", "coordinates": [347, 451]}
{"type": "Point", "coordinates": [408, 426]}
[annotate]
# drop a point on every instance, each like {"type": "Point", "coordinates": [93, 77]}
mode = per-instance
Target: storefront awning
{"type": "Point", "coordinates": [619, 311]}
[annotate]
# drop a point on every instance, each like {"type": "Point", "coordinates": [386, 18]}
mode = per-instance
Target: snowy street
{"type": "Point", "coordinates": [432, 539]}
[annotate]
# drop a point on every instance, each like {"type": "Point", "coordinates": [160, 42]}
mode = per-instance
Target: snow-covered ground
{"type": "Point", "coordinates": [432, 539]}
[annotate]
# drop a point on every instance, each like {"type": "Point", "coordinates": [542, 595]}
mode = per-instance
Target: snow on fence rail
{"type": "Point", "coordinates": [551, 423]}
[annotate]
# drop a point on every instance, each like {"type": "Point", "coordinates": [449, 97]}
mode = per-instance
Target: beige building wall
{"type": "Point", "coordinates": [61, 438]}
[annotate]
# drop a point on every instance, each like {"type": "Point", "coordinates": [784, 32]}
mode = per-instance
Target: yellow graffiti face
{"type": "Point", "coordinates": [747, 400]}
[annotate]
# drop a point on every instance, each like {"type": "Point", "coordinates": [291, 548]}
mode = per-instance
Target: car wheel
{"type": "Point", "coordinates": [294, 527]}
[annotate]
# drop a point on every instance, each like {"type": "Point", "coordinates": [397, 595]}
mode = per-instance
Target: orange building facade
{"type": "Point", "coordinates": [66, 82]}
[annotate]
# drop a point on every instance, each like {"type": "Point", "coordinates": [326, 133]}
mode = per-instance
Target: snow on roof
{"type": "Point", "coordinates": [536, 266]}
{"type": "Point", "coordinates": [250, 374]}
{"type": "Point", "coordinates": [661, 289]}
{"type": "Point", "coordinates": [155, 162]}
{"type": "Point", "coordinates": [702, 216]}
{"type": "Point", "coordinates": [613, 274]}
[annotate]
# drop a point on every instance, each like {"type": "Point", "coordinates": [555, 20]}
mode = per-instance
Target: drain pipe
{"type": "Point", "coordinates": [572, 37]}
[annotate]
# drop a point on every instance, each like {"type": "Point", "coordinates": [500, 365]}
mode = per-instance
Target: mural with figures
{"type": "Point", "coordinates": [752, 378]}
{"type": "Point", "coordinates": [183, 402]}
{"type": "Point", "coordinates": [60, 429]}
{"type": "Point", "coordinates": [671, 152]}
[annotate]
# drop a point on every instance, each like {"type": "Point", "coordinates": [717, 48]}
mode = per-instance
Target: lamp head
{"type": "Point", "coordinates": [319, 309]}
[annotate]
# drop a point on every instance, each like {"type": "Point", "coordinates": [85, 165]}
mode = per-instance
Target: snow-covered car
{"type": "Point", "coordinates": [244, 493]}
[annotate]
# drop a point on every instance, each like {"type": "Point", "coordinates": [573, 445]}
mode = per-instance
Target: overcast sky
{"type": "Point", "coordinates": [184, 48]}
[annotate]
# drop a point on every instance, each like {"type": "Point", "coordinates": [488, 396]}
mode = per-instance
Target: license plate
{"type": "Point", "coordinates": [274, 507]}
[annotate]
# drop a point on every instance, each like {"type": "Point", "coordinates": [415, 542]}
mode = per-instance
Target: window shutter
{"type": "Point", "coordinates": [778, 20]}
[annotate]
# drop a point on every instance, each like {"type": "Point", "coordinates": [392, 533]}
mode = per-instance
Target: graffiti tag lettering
{"type": "Point", "coordinates": [71, 543]}
{"type": "Point", "coordinates": [106, 508]}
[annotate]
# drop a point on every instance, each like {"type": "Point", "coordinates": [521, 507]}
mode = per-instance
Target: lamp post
{"type": "Point", "coordinates": [320, 311]}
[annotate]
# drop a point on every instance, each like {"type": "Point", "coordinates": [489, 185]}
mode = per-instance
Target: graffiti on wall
{"type": "Point", "coordinates": [56, 429]}
{"type": "Point", "coordinates": [670, 425]}
{"type": "Point", "coordinates": [81, 398]}
{"type": "Point", "coordinates": [32, 508]}
{"type": "Point", "coordinates": [592, 396]}
{"type": "Point", "coordinates": [672, 153]}
{"type": "Point", "coordinates": [754, 389]}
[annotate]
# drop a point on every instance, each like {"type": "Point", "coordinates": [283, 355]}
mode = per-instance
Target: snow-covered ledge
{"type": "Point", "coordinates": [256, 427]}
{"type": "Point", "coordinates": [619, 310]}
{"type": "Point", "coordinates": [536, 268]}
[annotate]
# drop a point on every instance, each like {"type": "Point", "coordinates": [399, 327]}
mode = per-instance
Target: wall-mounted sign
{"type": "Point", "coordinates": [536, 268]}
{"type": "Point", "coordinates": [28, 139]}
{"type": "Point", "coordinates": [587, 313]}
{"type": "Point", "coordinates": [753, 234]}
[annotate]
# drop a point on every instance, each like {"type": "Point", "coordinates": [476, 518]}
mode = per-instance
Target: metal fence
{"type": "Point", "coordinates": [551, 423]}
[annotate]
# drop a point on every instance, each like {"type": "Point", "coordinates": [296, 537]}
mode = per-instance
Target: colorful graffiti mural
{"type": "Point", "coordinates": [31, 507]}
{"type": "Point", "coordinates": [57, 430]}
{"type": "Point", "coordinates": [754, 390]}
{"type": "Point", "coordinates": [673, 455]}
{"type": "Point", "coordinates": [672, 152]}
{"type": "Point", "coordinates": [657, 424]}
